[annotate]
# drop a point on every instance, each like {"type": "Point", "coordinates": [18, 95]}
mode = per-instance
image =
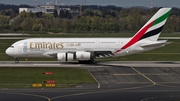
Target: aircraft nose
{"type": "Point", "coordinates": [8, 52]}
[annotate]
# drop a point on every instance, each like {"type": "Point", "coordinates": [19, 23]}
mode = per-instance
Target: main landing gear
{"type": "Point", "coordinates": [87, 61]}
{"type": "Point", "coordinates": [16, 60]}
{"type": "Point", "coordinates": [93, 61]}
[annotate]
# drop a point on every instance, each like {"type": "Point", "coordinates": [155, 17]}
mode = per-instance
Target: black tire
{"type": "Point", "coordinates": [93, 61]}
{"type": "Point", "coordinates": [87, 61]}
{"type": "Point", "coordinates": [17, 60]}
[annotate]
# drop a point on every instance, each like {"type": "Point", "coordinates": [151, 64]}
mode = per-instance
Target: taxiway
{"type": "Point", "coordinates": [117, 81]}
{"type": "Point", "coordinates": [99, 64]}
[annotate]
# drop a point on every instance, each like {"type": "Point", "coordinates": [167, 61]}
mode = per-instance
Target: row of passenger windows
{"type": "Point", "coordinates": [77, 42]}
{"type": "Point", "coordinates": [87, 42]}
{"type": "Point", "coordinates": [108, 42]}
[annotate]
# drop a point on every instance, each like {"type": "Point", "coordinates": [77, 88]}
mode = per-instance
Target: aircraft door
{"type": "Point", "coordinates": [98, 42]}
{"type": "Point", "coordinates": [118, 42]}
{"type": "Point", "coordinates": [20, 48]}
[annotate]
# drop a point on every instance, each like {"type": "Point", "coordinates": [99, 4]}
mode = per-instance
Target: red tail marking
{"type": "Point", "coordinates": [136, 37]}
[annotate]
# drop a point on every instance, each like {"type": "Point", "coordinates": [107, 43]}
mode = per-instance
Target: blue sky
{"type": "Point", "coordinates": [121, 3]}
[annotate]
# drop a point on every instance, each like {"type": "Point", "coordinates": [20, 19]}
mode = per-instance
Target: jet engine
{"type": "Point", "coordinates": [83, 55]}
{"type": "Point", "coordinates": [72, 56]}
{"type": "Point", "coordinates": [65, 56]}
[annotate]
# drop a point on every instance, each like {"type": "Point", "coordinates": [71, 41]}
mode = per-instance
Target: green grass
{"type": "Point", "coordinates": [134, 57]}
{"type": "Point", "coordinates": [168, 49]}
{"type": "Point", "coordinates": [74, 35]}
{"type": "Point", "coordinates": [12, 77]}
{"type": "Point", "coordinates": [144, 57]}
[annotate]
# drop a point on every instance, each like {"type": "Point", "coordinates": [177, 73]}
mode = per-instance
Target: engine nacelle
{"type": "Point", "coordinates": [65, 56]}
{"type": "Point", "coordinates": [83, 55]}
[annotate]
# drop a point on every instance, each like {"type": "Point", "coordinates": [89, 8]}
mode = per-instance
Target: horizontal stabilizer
{"type": "Point", "coordinates": [156, 44]}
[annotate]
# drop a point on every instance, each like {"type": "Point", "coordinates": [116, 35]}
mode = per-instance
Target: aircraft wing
{"type": "Point", "coordinates": [99, 54]}
{"type": "Point", "coordinates": [50, 54]}
{"type": "Point", "coordinates": [96, 54]}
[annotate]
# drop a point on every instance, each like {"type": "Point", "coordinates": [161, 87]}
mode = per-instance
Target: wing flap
{"type": "Point", "coordinates": [99, 54]}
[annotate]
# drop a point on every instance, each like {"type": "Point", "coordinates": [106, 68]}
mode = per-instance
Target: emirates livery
{"type": "Point", "coordinates": [87, 49]}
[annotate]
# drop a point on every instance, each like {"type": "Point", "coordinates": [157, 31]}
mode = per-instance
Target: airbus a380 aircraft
{"type": "Point", "coordinates": [87, 49]}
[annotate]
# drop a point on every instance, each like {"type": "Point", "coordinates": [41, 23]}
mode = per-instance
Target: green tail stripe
{"type": "Point", "coordinates": [162, 18]}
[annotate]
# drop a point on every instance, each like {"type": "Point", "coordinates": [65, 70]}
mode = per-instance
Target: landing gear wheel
{"type": "Point", "coordinates": [87, 61]}
{"type": "Point", "coordinates": [80, 62]}
{"type": "Point", "coordinates": [17, 60]}
{"type": "Point", "coordinates": [93, 61]}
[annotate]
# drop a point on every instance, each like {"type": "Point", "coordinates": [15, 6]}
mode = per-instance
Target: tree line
{"type": "Point", "coordinates": [90, 21]}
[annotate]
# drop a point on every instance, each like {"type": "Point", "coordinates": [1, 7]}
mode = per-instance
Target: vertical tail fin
{"type": "Point", "coordinates": [152, 29]}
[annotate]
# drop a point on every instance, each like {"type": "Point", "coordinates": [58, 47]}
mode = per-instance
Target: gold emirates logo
{"type": "Point", "coordinates": [46, 45]}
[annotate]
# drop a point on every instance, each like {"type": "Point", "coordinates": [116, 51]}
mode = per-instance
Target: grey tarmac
{"type": "Point", "coordinates": [98, 64]}
{"type": "Point", "coordinates": [117, 81]}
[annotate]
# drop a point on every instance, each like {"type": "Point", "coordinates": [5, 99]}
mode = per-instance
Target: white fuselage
{"type": "Point", "coordinates": [41, 47]}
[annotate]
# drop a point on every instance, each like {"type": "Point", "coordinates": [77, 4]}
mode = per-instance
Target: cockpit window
{"type": "Point", "coordinates": [11, 46]}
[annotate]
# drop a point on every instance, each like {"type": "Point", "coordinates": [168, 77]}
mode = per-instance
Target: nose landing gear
{"type": "Point", "coordinates": [16, 60]}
